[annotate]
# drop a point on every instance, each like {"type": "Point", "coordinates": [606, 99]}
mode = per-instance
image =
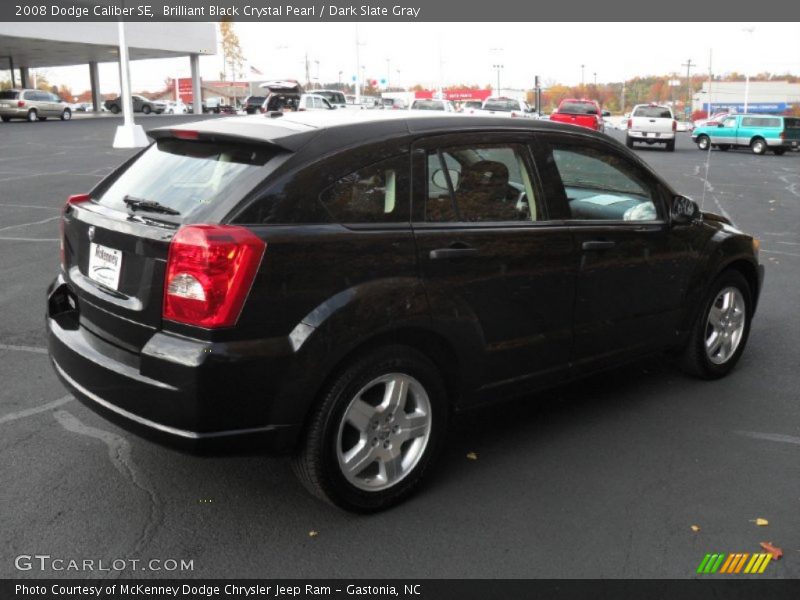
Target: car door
{"type": "Point", "coordinates": [498, 273]}
{"type": "Point", "coordinates": [726, 132]}
{"type": "Point", "coordinates": [55, 107]}
{"type": "Point", "coordinates": [632, 270]}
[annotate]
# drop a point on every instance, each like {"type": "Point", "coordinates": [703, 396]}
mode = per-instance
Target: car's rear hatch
{"type": "Point", "coordinates": [116, 239]}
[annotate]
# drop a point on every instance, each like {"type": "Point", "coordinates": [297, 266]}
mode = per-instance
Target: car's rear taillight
{"type": "Point", "coordinates": [71, 201]}
{"type": "Point", "coordinates": [783, 136]}
{"type": "Point", "coordinates": [674, 125]}
{"type": "Point", "coordinates": [21, 104]}
{"type": "Point", "coordinates": [210, 270]}
{"type": "Point", "coordinates": [630, 123]}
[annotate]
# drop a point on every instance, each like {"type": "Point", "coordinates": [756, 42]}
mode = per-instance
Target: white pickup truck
{"type": "Point", "coordinates": [504, 107]}
{"type": "Point", "coordinates": [651, 124]}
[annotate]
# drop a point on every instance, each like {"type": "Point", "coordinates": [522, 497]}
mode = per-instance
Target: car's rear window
{"type": "Point", "coordinates": [256, 100]}
{"type": "Point", "coordinates": [791, 123]}
{"type": "Point", "coordinates": [9, 95]}
{"type": "Point", "coordinates": [189, 175]}
{"type": "Point", "coordinates": [428, 105]}
{"type": "Point", "coordinates": [653, 112]}
{"type": "Point", "coordinates": [578, 108]}
{"type": "Point", "coordinates": [504, 105]}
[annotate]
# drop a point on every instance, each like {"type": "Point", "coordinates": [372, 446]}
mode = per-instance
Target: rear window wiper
{"type": "Point", "coordinates": [148, 205]}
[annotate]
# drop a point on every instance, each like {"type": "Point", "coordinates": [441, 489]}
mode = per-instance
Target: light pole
{"type": "Point", "coordinates": [748, 30]}
{"type": "Point", "coordinates": [340, 79]}
{"type": "Point", "coordinates": [498, 68]}
{"type": "Point", "coordinates": [595, 79]}
{"type": "Point", "coordinates": [582, 77]}
{"type": "Point", "coordinates": [388, 72]}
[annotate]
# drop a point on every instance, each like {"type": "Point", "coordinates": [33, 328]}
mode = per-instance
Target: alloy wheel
{"type": "Point", "coordinates": [725, 325]}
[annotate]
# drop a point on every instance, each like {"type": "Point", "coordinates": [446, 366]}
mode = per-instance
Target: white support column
{"type": "Point", "coordinates": [129, 135]}
{"type": "Point", "coordinates": [94, 84]}
{"type": "Point", "coordinates": [197, 99]}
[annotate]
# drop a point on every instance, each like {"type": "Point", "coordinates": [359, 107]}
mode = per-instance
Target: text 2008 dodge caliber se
{"type": "Point", "coordinates": [335, 285]}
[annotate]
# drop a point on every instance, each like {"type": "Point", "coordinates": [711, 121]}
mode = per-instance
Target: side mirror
{"type": "Point", "coordinates": [440, 181]}
{"type": "Point", "coordinates": [684, 210]}
{"type": "Point", "coordinates": [591, 111]}
{"type": "Point", "coordinates": [606, 113]}
{"type": "Point", "coordinates": [720, 124]}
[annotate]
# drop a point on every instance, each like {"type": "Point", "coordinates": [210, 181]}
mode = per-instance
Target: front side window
{"type": "Point", "coordinates": [601, 185]}
{"type": "Point", "coordinates": [374, 194]}
{"type": "Point", "coordinates": [480, 183]}
{"type": "Point", "coordinates": [729, 122]}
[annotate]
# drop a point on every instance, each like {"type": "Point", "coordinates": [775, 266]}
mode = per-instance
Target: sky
{"type": "Point", "coordinates": [452, 53]}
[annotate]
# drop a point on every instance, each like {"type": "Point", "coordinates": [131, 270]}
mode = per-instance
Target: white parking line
{"type": "Point", "coordinates": [20, 225]}
{"type": "Point", "coordinates": [34, 349]}
{"type": "Point", "coordinates": [771, 437]}
{"type": "Point", "coordinates": [4, 205]}
{"type": "Point", "coordinates": [22, 239]}
{"type": "Point", "coordinates": [36, 410]}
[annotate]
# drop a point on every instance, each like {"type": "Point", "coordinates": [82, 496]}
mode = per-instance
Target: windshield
{"type": "Point", "coordinates": [578, 108]}
{"type": "Point", "coordinates": [428, 105]}
{"type": "Point", "coordinates": [653, 112]}
{"type": "Point", "coordinates": [502, 105]}
{"type": "Point", "coordinates": [186, 175]}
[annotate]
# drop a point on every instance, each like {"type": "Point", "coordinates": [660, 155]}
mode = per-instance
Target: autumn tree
{"type": "Point", "coordinates": [233, 58]}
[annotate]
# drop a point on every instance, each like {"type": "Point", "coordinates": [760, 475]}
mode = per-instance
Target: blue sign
{"type": "Point", "coordinates": [767, 108]}
{"type": "Point", "coordinates": [354, 78]}
{"type": "Point", "coordinates": [383, 82]}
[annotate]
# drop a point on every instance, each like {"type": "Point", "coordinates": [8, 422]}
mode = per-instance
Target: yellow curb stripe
{"type": "Point", "coordinates": [765, 563]}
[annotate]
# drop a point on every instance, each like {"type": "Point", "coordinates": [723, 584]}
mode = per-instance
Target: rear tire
{"type": "Point", "coordinates": [703, 142]}
{"type": "Point", "coordinates": [719, 335]}
{"type": "Point", "coordinates": [671, 146]}
{"type": "Point", "coordinates": [5, 119]}
{"type": "Point", "coordinates": [758, 146]}
{"type": "Point", "coordinates": [628, 141]}
{"type": "Point", "coordinates": [360, 421]}
{"type": "Point", "coordinates": [114, 109]}
{"type": "Point", "coordinates": [146, 109]}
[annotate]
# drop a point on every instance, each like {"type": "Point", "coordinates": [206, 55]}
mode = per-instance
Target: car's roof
{"type": "Point", "coordinates": [292, 131]}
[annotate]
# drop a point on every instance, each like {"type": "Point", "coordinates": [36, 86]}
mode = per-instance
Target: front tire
{"type": "Point", "coordinates": [703, 142]}
{"type": "Point", "coordinates": [66, 115]}
{"type": "Point", "coordinates": [146, 109]}
{"type": "Point", "coordinates": [720, 332]}
{"type": "Point", "coordinates": [32, 116]}
{"type": "Point", "coordinates": [376, 432]}
{"type": "Point", "coordinates": [114, 109]}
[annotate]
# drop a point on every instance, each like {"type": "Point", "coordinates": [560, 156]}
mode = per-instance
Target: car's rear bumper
{"type": "Point", "coordinates": [174, 391]}
{"type": "Point", "coordinates": [646, 136]}
{"type": "Point", "coordinates": [14, 112]}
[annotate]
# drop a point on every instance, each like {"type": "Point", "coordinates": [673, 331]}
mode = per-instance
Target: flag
{"type": "Point", "coordinates": [254, 71]}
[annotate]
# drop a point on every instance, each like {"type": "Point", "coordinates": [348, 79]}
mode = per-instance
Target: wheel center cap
{"type": "Point", "coordinates": [384, 432]}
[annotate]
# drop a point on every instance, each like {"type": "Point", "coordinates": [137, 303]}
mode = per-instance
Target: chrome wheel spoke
{"type": "Point", "coordinates": [360, 414]}
{"type": "Point", "coordinates": [715, 318]}
{"type": "Point", "coordinates": [358, 458]}
{"type": "Point", "coordinates": [725, 325]}
{"type": "Point", "coordinates": [713, 343]}
{"type": "Point", "coordinates": [394, 398]}
{"type": "Point", "coordinates": [413, 426]}
{"type": "Point", "coordinates": [392, 468]}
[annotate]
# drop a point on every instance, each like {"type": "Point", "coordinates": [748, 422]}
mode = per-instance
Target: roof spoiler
{"type": "Point", "coordinates": [212, 136]}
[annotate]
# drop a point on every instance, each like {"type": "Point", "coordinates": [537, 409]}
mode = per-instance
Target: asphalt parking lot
{"type": "Point", "coordinates": [603, 478]}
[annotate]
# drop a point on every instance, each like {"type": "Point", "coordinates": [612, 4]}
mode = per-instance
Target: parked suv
{"type": "Point", "coordinates": [757, 132]}
{"type": "Point", "coordinates": [252, 104]}
{"type": "Point", "coordinates": [140, 104]}
{"type": "Point", "coordinates": [652, 124]}
{"type": "Point", "coordinates": [335, 284]}
{"type": "Point", "coordinates": [32, 105]}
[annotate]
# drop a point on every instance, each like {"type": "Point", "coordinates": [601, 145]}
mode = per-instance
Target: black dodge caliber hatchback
{"type": "Point", "coordinates": [335, 285]}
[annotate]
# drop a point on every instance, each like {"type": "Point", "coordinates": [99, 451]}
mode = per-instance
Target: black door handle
{"type": "Point", "coordinates": [598, 245]}
{"type": "Point", "coordinates": [446, 253]}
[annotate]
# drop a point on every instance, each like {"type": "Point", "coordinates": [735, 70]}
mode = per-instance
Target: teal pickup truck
{"type": "Point", "coordinates": [757, 132]}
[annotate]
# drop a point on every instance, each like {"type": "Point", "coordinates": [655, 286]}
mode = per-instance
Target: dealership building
{"type": "Point", "coordinates": [25, 46]}
{"type": "Point", "coordinates": [766, 97]}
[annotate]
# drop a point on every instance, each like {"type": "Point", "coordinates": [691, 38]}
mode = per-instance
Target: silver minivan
{"type": "Point", "coordinates": [32, 105]}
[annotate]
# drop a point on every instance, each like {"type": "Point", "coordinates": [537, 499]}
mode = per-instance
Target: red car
{"type": "Point", "coordinates": [583, 112]}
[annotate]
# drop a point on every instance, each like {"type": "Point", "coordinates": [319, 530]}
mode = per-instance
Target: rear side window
{"type": "Point", "coordinates": [761, 122]}
{"type": "Point", "coordinates": [480, 184]}
{"type": "Point", "coordinates": [9, 95]}
{"type": "Point", "coordinates": [188, 175]}
{"type": "Point", "coordinates": [653, 112]}
{"type": "Point", "coordinates": [791, 123]}
{"type": "Point", "coordinates": [374, 194]}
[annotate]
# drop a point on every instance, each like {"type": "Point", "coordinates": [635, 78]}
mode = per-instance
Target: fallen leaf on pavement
{"type": "Point", "coordinates": [760, 522]}
{"type": "Point", "coordinates": [695, 528]}
{"type": "Point", "coordinates": [774, 550]}
{"type": "Point", "coordinates": [472, 456]}
{"type": "Point", "coordinates": [313, 533]}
